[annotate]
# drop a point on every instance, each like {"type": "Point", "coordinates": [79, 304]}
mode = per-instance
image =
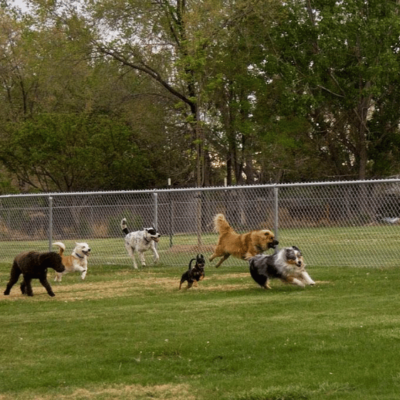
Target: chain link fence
{"type": "Point", "coordinates": [334, 224]}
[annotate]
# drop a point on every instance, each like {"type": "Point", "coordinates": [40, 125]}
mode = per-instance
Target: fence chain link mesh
{"type": "Point", "coordinates": [334, 224]}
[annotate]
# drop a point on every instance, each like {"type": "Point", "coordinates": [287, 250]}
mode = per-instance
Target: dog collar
{"type": "Point", "coordinates": [79, 256]}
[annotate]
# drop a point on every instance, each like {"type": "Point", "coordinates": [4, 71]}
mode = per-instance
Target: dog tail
{"type": "Point", "coordinates": [190, 264]}
{"type": "Point", "coordinates": [221, 224]}
{"type": "Point", "coordinates": [124, 226]}
{"type": "Point", "coordinates": [61, 247]}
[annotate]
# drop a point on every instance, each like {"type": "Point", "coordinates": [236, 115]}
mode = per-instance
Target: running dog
{"type": "Point", "coordinates": [76, 262]}
{"type": "Point", "coordinates": [194, 274]}
{"type": "Point", "coordinates": [287, 265]}
{"type": "Point", "coordinates": [140, 241]}
{"type": "Point", "coordinates": [243, 246]}
{"type": "Point", "coordinates": [33, 265]}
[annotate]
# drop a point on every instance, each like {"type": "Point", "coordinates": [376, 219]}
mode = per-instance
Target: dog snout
{"type": "Point", "coordinates": [273, 244]}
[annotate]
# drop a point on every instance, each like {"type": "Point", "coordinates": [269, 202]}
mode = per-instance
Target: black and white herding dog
{"type": "Point", "coordinates": [287, 265]}
{"type": "Point", "coordinates": [140, 241]}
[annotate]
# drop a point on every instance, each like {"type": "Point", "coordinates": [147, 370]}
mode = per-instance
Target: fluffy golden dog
{"type": "Point", "coordinates": [243, 246]}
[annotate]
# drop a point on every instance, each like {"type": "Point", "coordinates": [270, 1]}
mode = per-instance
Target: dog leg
{"type": "Point", "coordinates": [47, 286]}
{"type": "Point", "coordinates": [296, 282]}
{"type": "Point", "coordinates": [156, 257]}
{"type": "Point", "coordinates": [26, 287]}
{"type": "Point", "coordinates": [190, 284]}
{"type": "Point", "coordinates": [218, 252]}
{"type": "Point", "coordinates": [225, 257]}
{"type": "Point", "coordinates": [14, 276]}
{"type": "Point", "coordinates": [58, 277]}
{"type": "Point", "coordinates": [132, 255]}
{"type": "Point", "coordinates": [142, 259]}
{"type": "Point", "coordinates": [266, 286]}
{"type": "Point", "coordinates": [307, 278]}
{"type": "Point", "coordinates": [82, 270]}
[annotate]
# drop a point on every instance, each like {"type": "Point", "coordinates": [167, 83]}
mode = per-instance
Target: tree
{"type": "Point", "coordinates": [339, 61]}
{"type": "Point", "coordinates": [65, 152]}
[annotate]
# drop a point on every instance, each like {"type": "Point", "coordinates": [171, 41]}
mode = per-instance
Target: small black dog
{"type": "Point", "coordinates": [194, 274]}
{"type": "Point", "coordinates": [33, 265]}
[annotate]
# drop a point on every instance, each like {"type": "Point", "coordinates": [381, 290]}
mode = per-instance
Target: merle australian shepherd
{"type": "Point", "coordinates": [286, 264]}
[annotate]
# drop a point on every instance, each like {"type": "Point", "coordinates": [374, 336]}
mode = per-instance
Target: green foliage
{"type": "Point", "coordinates": [338, 61]}
{"type": "Point", "coordinates": [281, 90]}
{"type": "Point", "coordinates": [68, 152]}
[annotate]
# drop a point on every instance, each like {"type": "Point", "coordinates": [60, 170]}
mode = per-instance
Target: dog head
{"type": "Point", "coordinates": [294, 256]}
{"type": "Point", "coordinates": [264, 239]}
{"type": "Point", "coordinates": [82, 249]}
{"type": "Point", "coordinates": [152, 234]}
{"type": "Point", "coordinates": [52, 260]}
{"type": "Point", "coordinates": [200, 262]}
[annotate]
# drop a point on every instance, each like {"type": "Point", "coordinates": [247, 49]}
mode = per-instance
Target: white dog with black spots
{"type": "Point", "coordinates": [140, 241]}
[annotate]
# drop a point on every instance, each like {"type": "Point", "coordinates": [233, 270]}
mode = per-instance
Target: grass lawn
{"type": "Point", "coordinates": [352, 246]}
{"type": "Point", "coordinates": [126, 334]}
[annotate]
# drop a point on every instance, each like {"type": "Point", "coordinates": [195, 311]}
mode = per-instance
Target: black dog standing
{"type": "Point", "coordinates": [33, 265]}
{"type": "Point", "coordinates": [194, 274]}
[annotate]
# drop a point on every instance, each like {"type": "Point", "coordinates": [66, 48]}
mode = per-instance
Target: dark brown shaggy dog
{"type": "Point", "coordinates": [243, 246]}
{"type": "Point", "coordinates": [33, 265]}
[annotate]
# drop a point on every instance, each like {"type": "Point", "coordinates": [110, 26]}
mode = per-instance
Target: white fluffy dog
{"type": "Point", "coordinates": [76, 262]}
{"type": "Point", "coordinates": [140, 241]}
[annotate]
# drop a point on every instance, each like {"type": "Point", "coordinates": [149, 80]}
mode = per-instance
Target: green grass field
{"type": "Point", "coordinates": [126, 334]}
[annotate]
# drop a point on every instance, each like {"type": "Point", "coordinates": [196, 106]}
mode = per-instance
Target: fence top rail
{"type": "Point", "coordinates": [203, 189]}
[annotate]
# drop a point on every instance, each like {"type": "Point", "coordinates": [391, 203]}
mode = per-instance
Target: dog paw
{"type": "Point", "coordinates": [6, 293]}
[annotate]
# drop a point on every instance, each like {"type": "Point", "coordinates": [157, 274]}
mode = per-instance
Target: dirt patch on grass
{"type": "Point", "coordinates": [139, 285]}
{"type": "Point", "coordinates": [133, 286]}
{"type": "Point", "coordinates": [131, 392]}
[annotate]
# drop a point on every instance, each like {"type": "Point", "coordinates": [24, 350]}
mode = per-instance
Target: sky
{"type": "Point", "coordinates": [20, 3]}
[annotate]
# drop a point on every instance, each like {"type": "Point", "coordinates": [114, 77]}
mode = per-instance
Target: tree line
{"type": "Point", "coordinates": [126, 94]}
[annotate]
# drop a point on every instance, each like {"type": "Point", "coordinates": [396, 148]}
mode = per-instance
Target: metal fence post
{"type": "Point", "coordinates": [50, 222]}
{"type": "Point", "coordinates": [155, 222]}
{"type": "Point", "coordinates": [171, 219]}
{"type": "Point", "coordinates": [276, 212]}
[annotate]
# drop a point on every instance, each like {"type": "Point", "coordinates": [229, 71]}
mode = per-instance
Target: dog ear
{"type": "Point", "coordinates": [296, 248]}
{"type": "Point", "coordinates": [290, 254]}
